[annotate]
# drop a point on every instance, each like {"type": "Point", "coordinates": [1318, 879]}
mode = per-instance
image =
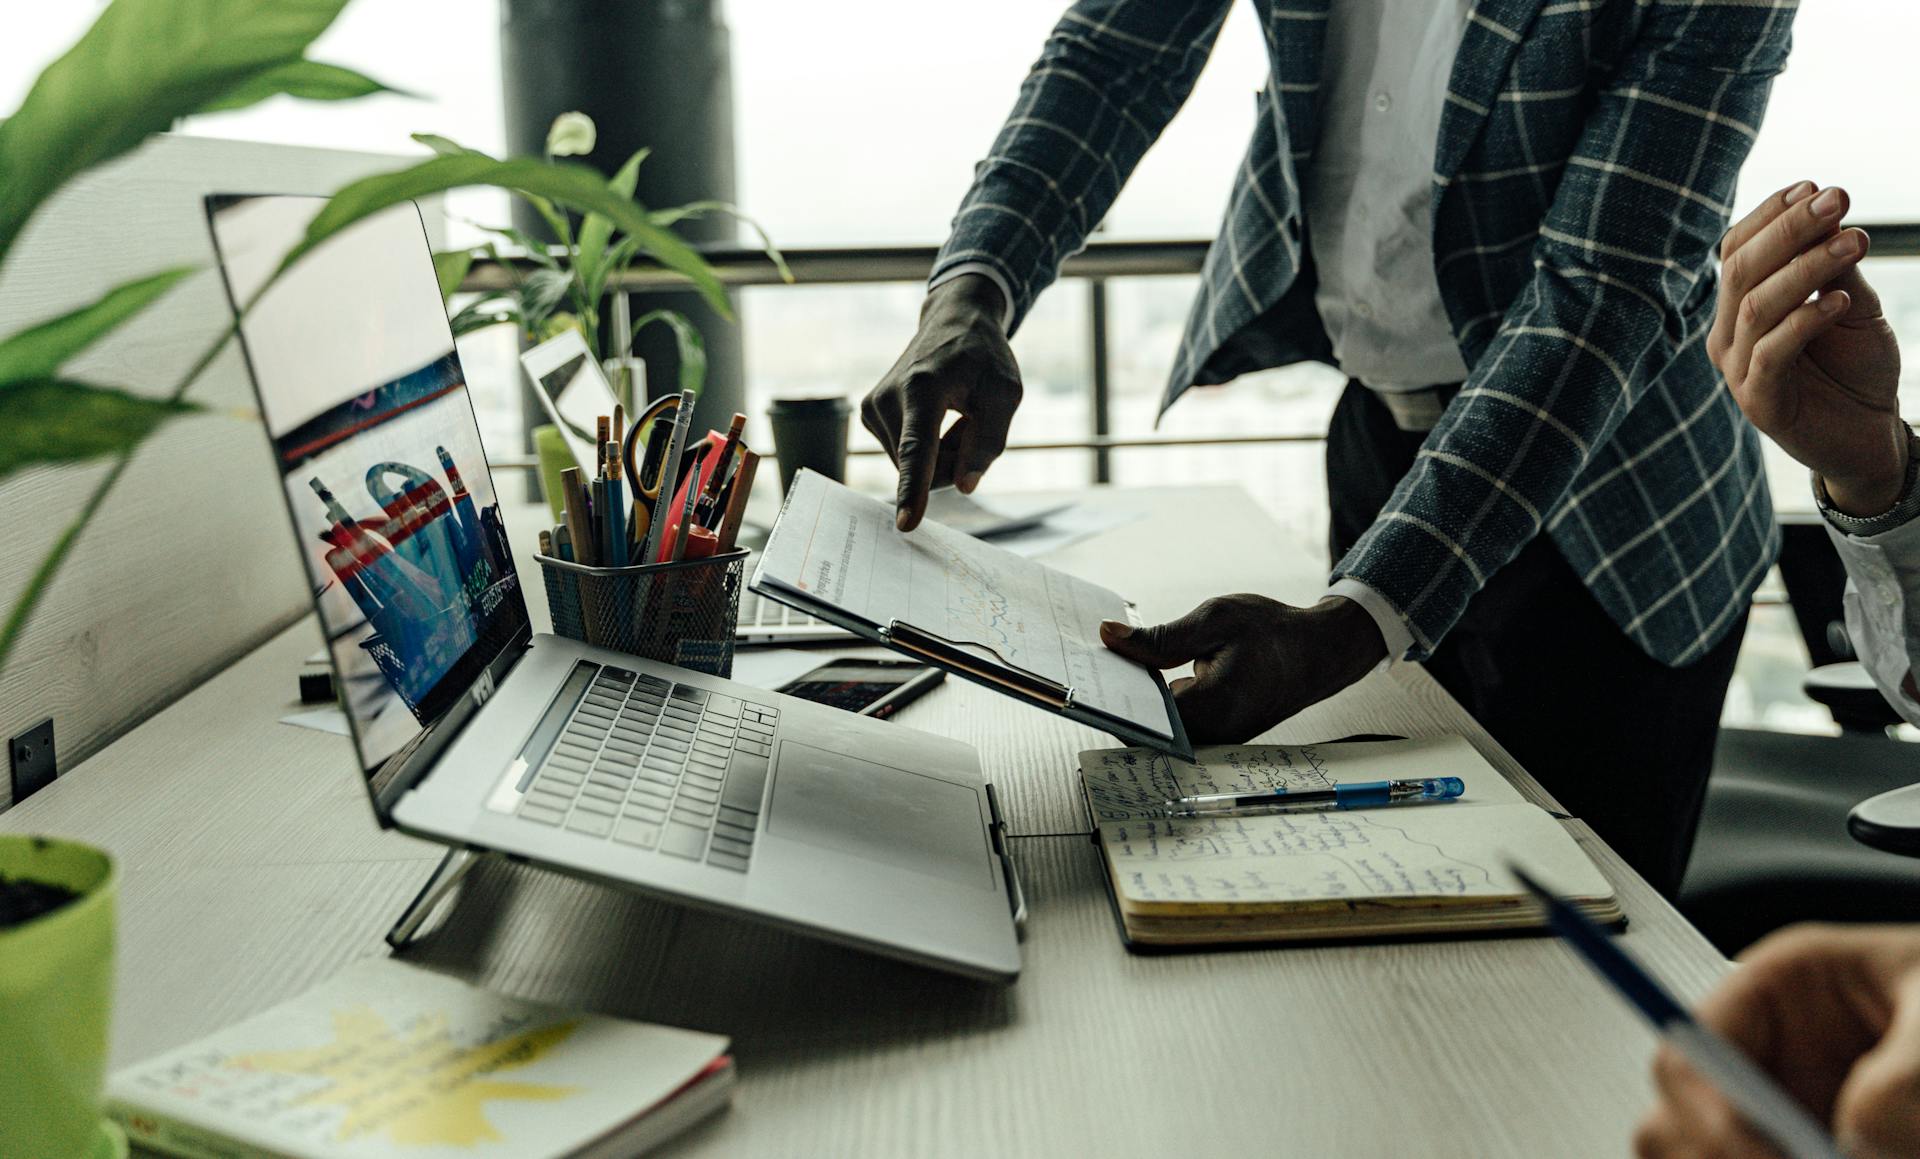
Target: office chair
{"type": "Point", "coordinates": [1773, 845]}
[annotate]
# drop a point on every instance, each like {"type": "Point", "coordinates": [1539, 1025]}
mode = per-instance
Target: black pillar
{"type": "Point", "coordinates": [654, 74]}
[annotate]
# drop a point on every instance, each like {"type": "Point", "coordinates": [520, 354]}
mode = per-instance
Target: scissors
{"type": "Point", "coordinates": [650, 463]}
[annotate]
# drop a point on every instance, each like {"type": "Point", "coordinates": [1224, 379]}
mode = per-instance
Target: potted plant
{"type": "Point", "coordinates": [56, 989]}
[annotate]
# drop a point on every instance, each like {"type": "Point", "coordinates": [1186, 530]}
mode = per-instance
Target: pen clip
{"type": "Point", "coordinates": [954, 654]}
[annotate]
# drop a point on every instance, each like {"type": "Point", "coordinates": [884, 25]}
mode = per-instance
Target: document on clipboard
{"type": "Point", "coordinates": [976, 610]}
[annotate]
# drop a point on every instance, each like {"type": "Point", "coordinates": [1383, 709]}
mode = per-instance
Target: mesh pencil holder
{"type": "Point", "coordinates": [679, 613]}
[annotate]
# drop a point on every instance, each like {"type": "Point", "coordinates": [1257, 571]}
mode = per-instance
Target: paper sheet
{"type": "Point", "coordinates": [841, 547]}
{"type": "Point", "coordinates": [1451, 849]}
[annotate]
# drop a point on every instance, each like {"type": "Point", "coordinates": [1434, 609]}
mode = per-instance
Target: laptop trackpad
{"type": "Point", "coordinates": [834, 801]}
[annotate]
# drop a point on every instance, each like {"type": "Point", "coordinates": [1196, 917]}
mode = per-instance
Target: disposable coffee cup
{"type": "Point", "coordinates": [810, 432]}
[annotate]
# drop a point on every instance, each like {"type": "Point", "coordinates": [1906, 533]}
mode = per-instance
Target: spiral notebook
{"type": "Point", "coordinates": [1397, 871]}
{"type": "Point", "coordinates": [980, 612]}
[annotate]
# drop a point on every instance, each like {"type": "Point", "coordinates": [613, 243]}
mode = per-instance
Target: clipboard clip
{"type": "Point", "coordinates": [955, 655]}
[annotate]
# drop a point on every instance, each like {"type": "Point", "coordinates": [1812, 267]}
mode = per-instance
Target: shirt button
{"type": "Point", "coordinates": [1364, 310]}
{"type": "Point", "coordinates": [1382, 101]}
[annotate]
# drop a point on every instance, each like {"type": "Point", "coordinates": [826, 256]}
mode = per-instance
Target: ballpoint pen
{"type": "Point", "coordinates": [1759, 1100]}
{"type": "Point", "coordinates": [1358, 795]}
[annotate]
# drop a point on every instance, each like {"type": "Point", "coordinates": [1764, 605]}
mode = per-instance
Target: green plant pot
{"type": "Point", "coordinates": [56, 988]}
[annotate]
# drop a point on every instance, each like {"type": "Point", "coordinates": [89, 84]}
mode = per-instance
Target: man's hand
{"type": "Point", "coordinates": [1820, 376]}
{"type": "Point", "coordinates": [1256, 661]}
{"type": "Point", "coordinates": [958, 361]}
{"type": "Point", "coordinates": [1833, 1013]}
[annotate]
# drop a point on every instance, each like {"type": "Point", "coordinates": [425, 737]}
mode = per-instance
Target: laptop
{"type": "Point", "coordinates": [574, 391]}
{"type": "Point", "coordinates": [476, 733]}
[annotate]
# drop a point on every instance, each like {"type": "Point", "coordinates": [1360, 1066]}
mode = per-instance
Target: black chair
{"type": "Point", "coordinates": [1774, 846]}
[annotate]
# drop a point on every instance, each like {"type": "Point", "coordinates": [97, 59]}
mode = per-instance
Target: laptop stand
{"type": "Point", "coordinates": [452, 868]}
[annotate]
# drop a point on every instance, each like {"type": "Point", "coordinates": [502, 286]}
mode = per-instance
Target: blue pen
{"type": "Point", "coordinates": [1761, 1102]}
{"type": "Point", "coordinates": [1360, 795]}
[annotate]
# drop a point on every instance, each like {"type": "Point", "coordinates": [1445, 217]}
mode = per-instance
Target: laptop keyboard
{"type": "Point", "coordinates": [659, 766]}
{"type": "Point", "coordinates": [757, 611]}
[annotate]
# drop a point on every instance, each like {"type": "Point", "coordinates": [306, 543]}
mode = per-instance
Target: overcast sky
{"type": "Point", "coordinates": [859, 120]}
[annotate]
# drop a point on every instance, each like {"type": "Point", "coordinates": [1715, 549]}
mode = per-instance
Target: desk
{"type": "Point", "coordinates": [252, 868]}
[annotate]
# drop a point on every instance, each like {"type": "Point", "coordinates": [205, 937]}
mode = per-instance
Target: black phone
{"type": "Point", "coordinates": [876, 688]}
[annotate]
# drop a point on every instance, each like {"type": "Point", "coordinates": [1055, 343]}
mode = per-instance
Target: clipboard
{"type": "Point", "coordinates": [982, 664]}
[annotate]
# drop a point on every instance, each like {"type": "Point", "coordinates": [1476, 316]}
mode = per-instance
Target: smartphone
{"type": "Point", "coordinates": [876, 688]}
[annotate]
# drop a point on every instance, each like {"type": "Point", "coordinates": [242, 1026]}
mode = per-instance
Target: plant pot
{"type": "Point", "coordinates": [56, 988]}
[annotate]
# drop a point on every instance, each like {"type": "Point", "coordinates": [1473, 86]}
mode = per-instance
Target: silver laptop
{"type": "Point", "coordinates": [476, 733]}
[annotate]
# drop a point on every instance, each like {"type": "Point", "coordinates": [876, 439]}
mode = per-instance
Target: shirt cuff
{"type": "Point", "coordinates": [1883, 613]}
{"type": "Point", "coordinates": [1393, 629]}
{"type": "Point", "coordinates": [988, 272]}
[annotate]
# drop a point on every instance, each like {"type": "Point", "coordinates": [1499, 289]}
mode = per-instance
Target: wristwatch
{"type": "Point", "coordinates": [1904, 508]}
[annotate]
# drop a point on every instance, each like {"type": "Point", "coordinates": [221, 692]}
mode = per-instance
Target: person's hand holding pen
{"type": "Point", "coordinates": [1832, 1013]}
{"type": "Point", "coordinates": [1256, 661]}
{"type": "Point", "coordinates": [959, 361]}
{"type": "Point", "coordinates": [1819, 375]}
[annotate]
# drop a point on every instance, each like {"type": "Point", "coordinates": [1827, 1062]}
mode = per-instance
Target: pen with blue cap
{"type": "Point", "coordinates": [1358, 795]}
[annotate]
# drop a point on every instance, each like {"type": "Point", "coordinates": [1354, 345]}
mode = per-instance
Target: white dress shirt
{"type": "Point", "coordinates": [1367, 195]}
{"type": "Point", "coordinates": [1883, 606]}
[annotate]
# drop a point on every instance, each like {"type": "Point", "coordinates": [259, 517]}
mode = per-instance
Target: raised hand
{"type": "Point", "coordinates": [1803, 345]}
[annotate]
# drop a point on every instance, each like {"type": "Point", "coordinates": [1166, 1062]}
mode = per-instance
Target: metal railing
{"type": "Point", "coordinates": [1100, 261]}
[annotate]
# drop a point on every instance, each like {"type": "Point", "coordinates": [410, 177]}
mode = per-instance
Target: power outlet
{"type": "Point", "coordinates": [30, 755]}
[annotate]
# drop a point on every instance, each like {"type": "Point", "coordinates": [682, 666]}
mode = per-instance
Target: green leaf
{"type": "Point", "coordinates": [693, 351]}
{"type": "Point", "coordinates": [446, 147]}
{"type": "Point", "coordinates": [542, 293]}
{"type": "Point", "coordinates": [450, 267]}
{"type": "Point", "coordinates": [571, 135]}
{"type": "Point", "coordinates": [536, 250]}
{"type": "Point", "coordinates": [696, 209]}
{"type": "Point", "coordinates": [480, 315]}
{"type": "Point", "coordinates": [310, 80]}
{"type": "Point", "coordinates": [596, 231]}
{"type": "Point", "coordinates": [574, 186]}
{"type": "Point", "coordinates": [629, 174]}
{"type": "Point", "coordinates": [40, 350]}
{"type": "Point", "coordinates": [45, 420]}
{"type": "Point", "coordinates": [142, 65]}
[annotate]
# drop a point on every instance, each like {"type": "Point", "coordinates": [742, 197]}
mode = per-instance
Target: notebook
{"type": "Point", "coordinates": [981, 612]}
{"type": "Point", "coordinates": [1396, 871]}
{"type": "Point", "coordinates": [388, 1061]}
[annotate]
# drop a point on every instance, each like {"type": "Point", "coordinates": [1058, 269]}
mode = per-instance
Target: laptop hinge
{"type": "Point", "coordinates": [1003, 849]}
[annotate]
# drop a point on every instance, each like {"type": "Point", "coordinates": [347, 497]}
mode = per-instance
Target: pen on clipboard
{"type": "Point", "coordinates": [1759, 1100]}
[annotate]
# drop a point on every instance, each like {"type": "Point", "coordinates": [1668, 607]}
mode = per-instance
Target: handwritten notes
{"type": "Point", "coordinates": [1451, 850]}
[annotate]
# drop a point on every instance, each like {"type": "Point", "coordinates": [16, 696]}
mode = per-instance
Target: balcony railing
{"type": "Point", "coordinates": [1100, 261]}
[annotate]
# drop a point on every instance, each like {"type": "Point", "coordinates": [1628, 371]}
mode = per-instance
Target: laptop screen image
{"type": "Point", "coordinates": [380, 460]}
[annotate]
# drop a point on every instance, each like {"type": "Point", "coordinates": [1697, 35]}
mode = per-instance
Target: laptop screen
{"type": "Point", "coordinates": [380, 460]}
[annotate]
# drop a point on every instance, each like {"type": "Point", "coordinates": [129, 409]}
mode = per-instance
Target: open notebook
{"type": "Point", "coordinates": [1402, 870]}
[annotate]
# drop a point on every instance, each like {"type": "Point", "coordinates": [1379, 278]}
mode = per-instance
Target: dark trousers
{"type": "Point", "coordinates": [1623, 741]}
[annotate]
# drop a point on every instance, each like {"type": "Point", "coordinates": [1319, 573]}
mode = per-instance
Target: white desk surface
{"type": "Point", "coordinates": [251, 868]}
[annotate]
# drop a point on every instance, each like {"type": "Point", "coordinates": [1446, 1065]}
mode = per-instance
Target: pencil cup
{"type": "Point", "coordinates": [678, 613]}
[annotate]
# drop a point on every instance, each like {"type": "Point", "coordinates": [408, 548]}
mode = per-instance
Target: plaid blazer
{"type": "Point", "coordinates": [1584, 173]}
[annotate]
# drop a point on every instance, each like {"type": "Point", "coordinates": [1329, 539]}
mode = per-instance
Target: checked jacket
{"type": "Point", "coordinates": [1584, 174]}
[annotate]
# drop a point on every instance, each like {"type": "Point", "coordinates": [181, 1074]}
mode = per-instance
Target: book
{"type": "Point", "coordinates": [1396, 871]}
{"type": "Point", "coordinates": [388, 1061]}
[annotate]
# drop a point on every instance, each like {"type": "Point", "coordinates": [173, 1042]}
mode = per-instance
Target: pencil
{"type": "Point", "coordinates": [737, 501]}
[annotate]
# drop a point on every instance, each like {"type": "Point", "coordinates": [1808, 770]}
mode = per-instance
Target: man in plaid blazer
{"type": "Point", "coordinates": [1538, 485]}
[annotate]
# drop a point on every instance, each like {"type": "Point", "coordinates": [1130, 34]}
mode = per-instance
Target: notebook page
{"type": "Point", "coordinates": [841, 547]}
{"type": "Point", "coordinates": [1415, 851]}
{"type": "Point", "coordinates": [1130, 782]}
